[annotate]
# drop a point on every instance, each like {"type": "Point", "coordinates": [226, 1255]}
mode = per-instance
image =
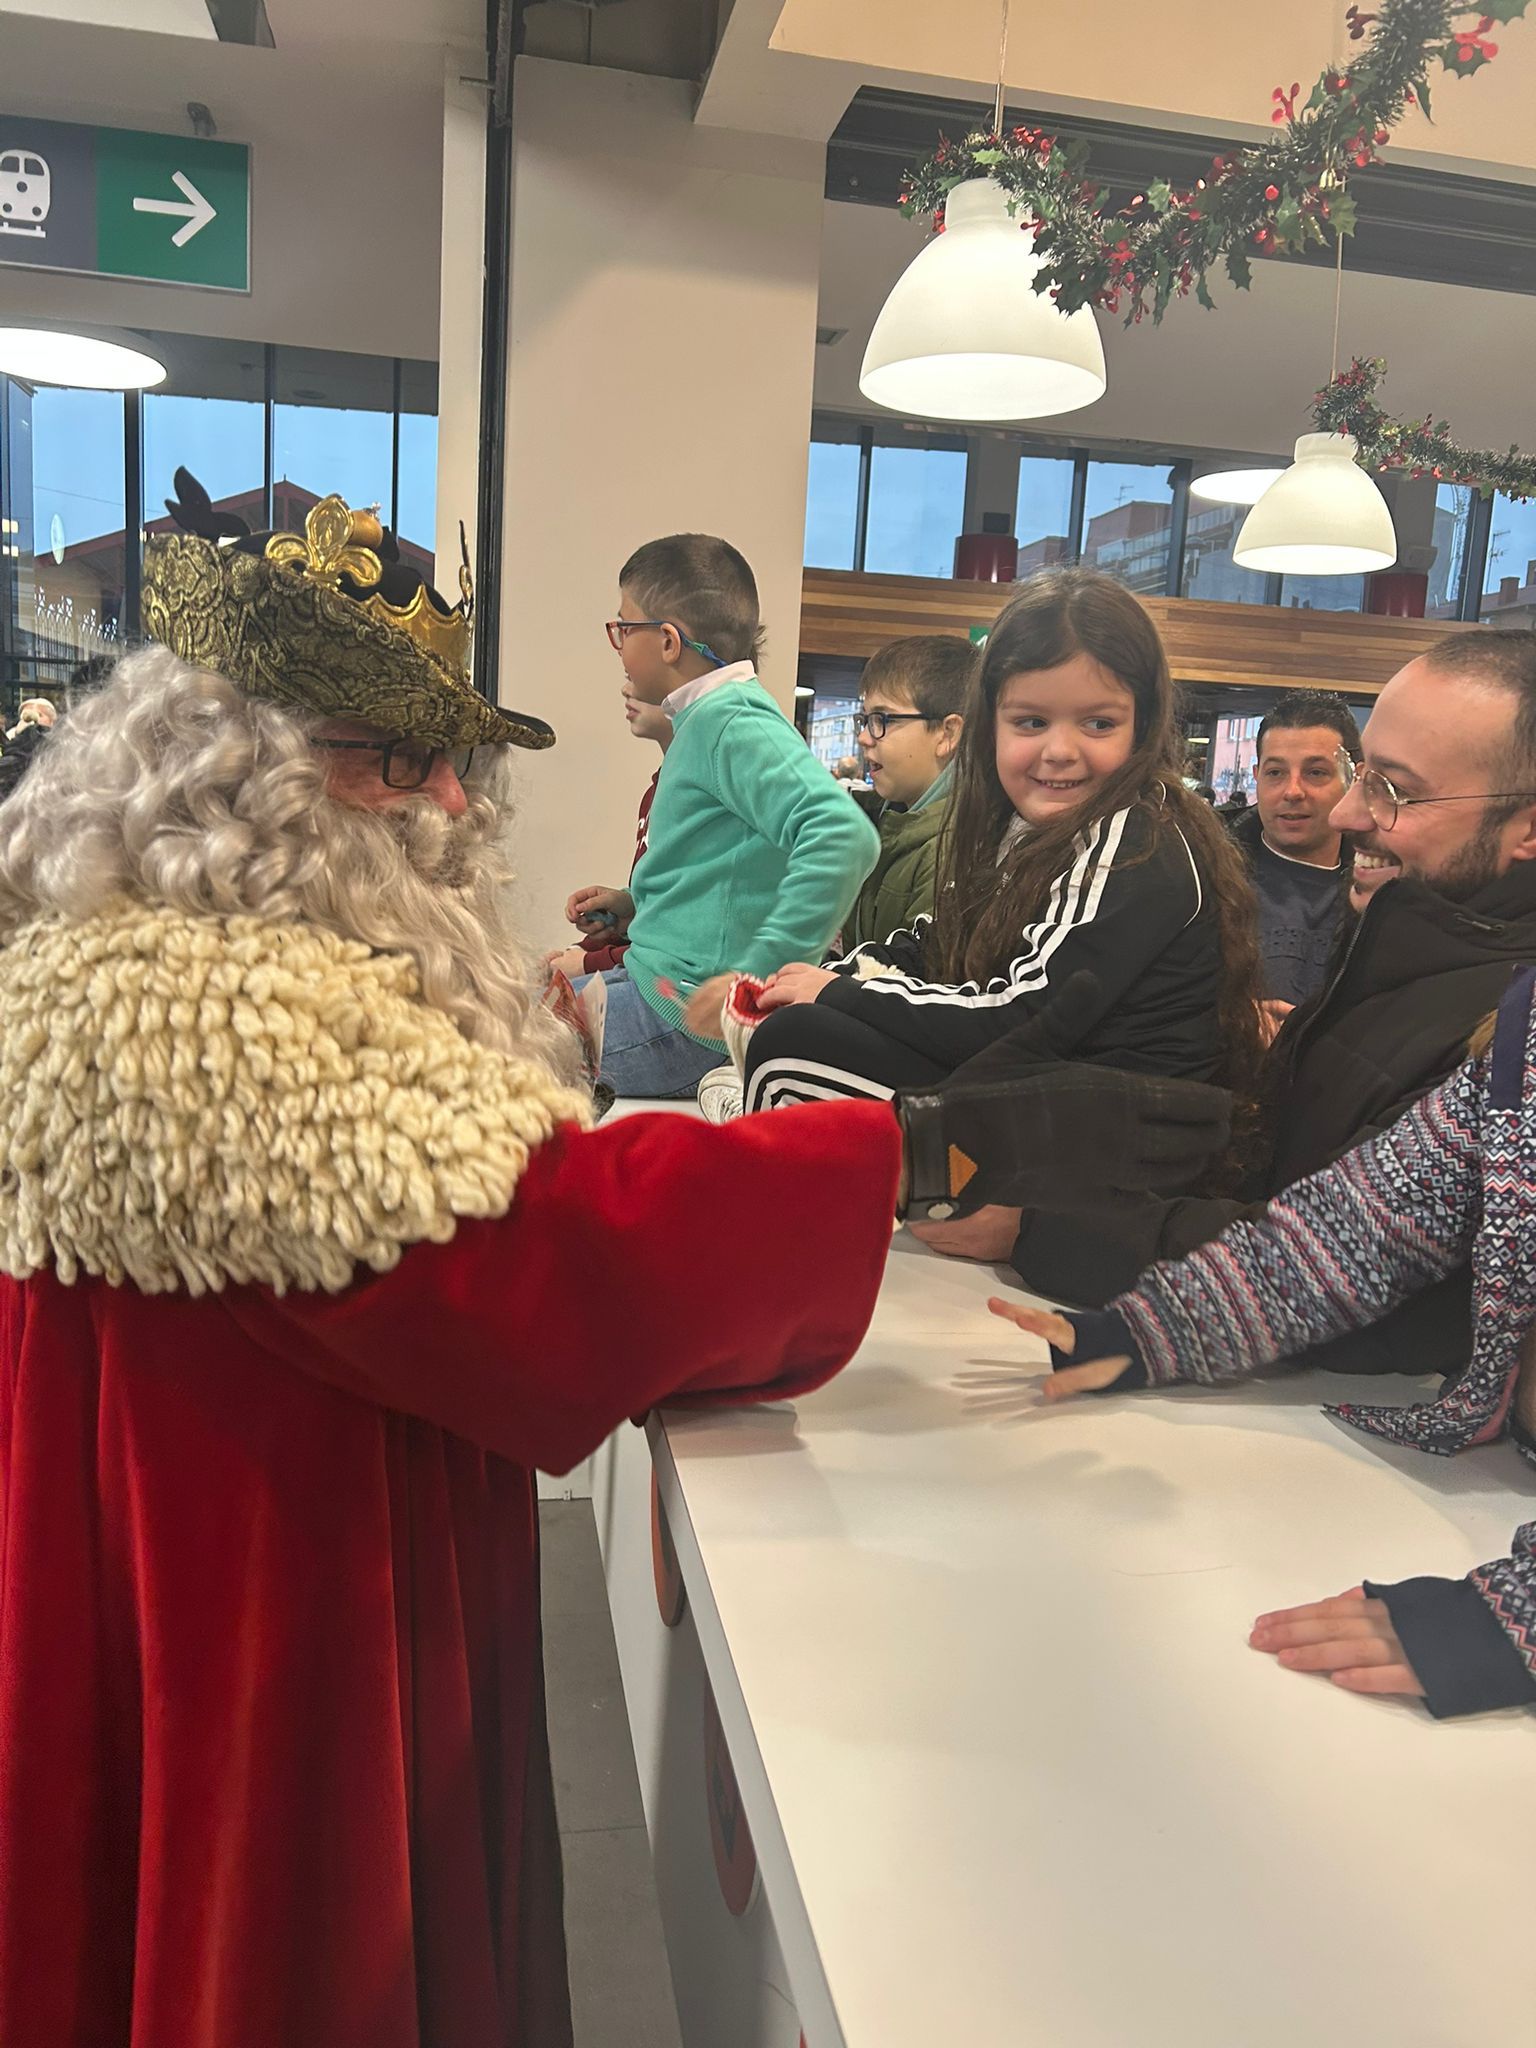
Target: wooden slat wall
{"type": "Point", "coordinates": [1265, 646]}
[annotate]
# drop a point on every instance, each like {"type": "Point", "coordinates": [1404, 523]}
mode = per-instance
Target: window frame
{"type": "Point", "coordinates": [12, 658]}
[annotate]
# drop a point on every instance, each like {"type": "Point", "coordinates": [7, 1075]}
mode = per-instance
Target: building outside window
{"type": "Point", "coordinates": [1509, 577]}
{"type": "Point", "coordinates": [1453, 530]}
{"type": "Point", "coordinates": [69, 563]}
{"type": "Point", "coordinates": [1128, 523]}
{"type": "Point", "coordinates": [1209, 570]}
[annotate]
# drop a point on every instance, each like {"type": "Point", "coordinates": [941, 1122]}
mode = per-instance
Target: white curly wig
{"type": "Point", "coordinates": [174, 787]}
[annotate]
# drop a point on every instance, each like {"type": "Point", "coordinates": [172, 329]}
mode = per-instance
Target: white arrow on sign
{"type": "Point", "coordinates": [196, 208]}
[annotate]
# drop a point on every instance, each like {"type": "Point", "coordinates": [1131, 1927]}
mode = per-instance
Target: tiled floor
{"type": "Point", "coordinates": [621, 1992]}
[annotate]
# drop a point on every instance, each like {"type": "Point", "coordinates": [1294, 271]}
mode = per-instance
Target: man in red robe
{"type": "Point", "coordinates": [297, 1191]}
{"type": "Point", "coordinates": [297, 1195]}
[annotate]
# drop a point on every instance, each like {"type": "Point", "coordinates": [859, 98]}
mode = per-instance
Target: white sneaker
{"type": "Point", "coordinates": [720, 1095]}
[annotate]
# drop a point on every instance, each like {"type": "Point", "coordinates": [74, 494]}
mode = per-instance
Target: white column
{"type": "Point", "coordinates": [663, 313]}
{"type": "Point", "coordinates": [459, 313]}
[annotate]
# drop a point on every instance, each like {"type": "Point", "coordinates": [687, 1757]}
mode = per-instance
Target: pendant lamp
{"type": "Point", "coordinates": [964, 335]}
{"type": "Point", "coordinates": [1322, 517]}
{"type": "Point", "coordinates": [90, 359]}
{"type": "Point", "coordinates": [1233, 486]}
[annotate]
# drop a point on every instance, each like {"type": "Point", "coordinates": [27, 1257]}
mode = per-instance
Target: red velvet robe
{"type": "Point", "coordinates": [273, 1770]}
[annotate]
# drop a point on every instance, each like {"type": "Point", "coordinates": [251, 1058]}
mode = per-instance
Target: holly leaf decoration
{"type": "Point", "coordinates": [1506, 10]}
{"type": "Point", "coordinates": [1343, 213]}
{"type": "Point", "coordinates": [1160, 195]}
{"type": "Point", "coordinates": [1203, 292]}
{"type": "Point", "coordinates": [1288, 220]}
{"type": "Point", "coordinates": [986, 156]}
{"type": "Point", "coordinates": [1462, 60]}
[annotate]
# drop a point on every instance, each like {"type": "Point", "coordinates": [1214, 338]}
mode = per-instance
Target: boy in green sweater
{"type": "Point", "coordinates": [914, 696]}
{"type": "Point", "coordinates": [754, 854]}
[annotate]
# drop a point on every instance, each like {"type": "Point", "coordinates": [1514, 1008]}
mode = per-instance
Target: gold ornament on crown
{"type": "Point", "coordinates": [339, 542]}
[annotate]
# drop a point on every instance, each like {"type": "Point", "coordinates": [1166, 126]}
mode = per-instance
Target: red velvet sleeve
{"type": "Point", "coordinates": [657, 1259]}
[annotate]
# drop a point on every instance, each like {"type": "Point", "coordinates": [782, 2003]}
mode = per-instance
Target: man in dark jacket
{"type": "Point", "coordinates": [1298, 858]}
{"type": "Point", "coordinates": [1443, 820]}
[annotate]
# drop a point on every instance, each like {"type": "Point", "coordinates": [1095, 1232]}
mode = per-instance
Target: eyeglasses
{"type": "Point", "coordinates": [878, 723]}
{"type": "Point", "coordinates": [617, 628]}
{"type": "Point", "coordinates": [1383, 802]}
{"type": "Point", "coordinates": [405, 764]}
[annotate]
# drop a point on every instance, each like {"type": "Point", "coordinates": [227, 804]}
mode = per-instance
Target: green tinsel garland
{"type": "Point", "coordinates": [1269, 199]}
{"type": "Point", "coordinates": [1421, 447]}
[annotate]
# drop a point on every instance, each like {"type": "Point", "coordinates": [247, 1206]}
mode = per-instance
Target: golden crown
{"type": "Point", "coordinates": [339, 542]}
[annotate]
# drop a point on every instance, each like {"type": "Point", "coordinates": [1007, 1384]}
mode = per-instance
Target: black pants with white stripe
{"type": "Point", "coordinates": [810, 1054]}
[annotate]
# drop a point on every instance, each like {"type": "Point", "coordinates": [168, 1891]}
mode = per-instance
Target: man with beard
{"type": "Point", "coordinates": [1442, 816]}
{"type": "Point", "coordinates": [296, 1191]}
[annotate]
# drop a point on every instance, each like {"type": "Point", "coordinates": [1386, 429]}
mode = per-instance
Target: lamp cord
{"type": "Point", "coordinates": [1002, 73]}
{"type": "Point", "coordinates": [1338, 296]}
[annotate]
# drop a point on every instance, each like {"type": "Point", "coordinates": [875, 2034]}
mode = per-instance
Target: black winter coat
{"type": "Point", "coordinates": [1414, 979]}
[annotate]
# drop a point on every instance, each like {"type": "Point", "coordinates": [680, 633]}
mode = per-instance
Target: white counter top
{"type": "Point", "coordinates": [1014, 1776]}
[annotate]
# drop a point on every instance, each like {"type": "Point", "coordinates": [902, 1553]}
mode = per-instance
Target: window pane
{"type": "Point", "coordinates": [1509, 583]}
{"type": "Point", "coordinates": [208, 416]}
{"type": "Point", "coordinates": [1127, 519]}
{"type": "Point", "coordinates": [63, 529]}
{"type": "Point", "coordinates": [1209, 570]}
{"type": "Point", "coordinates": [831, 504]}
{"type": "Point", "coordinates": [1323, 593]}
{"type": "Point", "coordinates": [416, 514]}
{"type": "Point", "coordinates": [333, 430]}
{"type": "Point", "coordinates": [916, 511]}
{"type": "Point", "coordinates": [1044, 521]}
{"type": "Point", "coordinates": [1453, 524]}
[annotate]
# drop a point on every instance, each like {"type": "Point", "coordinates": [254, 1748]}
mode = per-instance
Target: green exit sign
{"type": "Point", "coordinates": [115, 202]}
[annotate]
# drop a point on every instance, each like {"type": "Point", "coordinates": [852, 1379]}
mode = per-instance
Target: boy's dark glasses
{"type": "Point", "coordinates": [405, 764]}
{"type": "Point", "coordinates": [617, 628]}
{"type": "Point", "coordinates": [878, 723]}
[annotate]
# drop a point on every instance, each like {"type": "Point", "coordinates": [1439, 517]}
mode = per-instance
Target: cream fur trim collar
{"type": "Point", "coordinates": [190, 1101]}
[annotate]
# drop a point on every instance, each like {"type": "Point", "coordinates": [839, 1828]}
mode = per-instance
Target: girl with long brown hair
{"type": "Point", "coordinates": [1072, 845]}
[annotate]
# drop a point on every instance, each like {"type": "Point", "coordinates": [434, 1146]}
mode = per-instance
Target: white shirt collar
{"type": "Point", "coordinates": [690, 693]}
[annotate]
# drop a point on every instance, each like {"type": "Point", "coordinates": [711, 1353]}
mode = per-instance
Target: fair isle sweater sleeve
{"type": "Point", "coordinates": [1333, 1253]}
{"type": "Point", "coordinates": [773, 782]}
{"type": "Point", "coordinates": [1472, 1641]}
{"type": "Point", "coordinates": [1131, 889]}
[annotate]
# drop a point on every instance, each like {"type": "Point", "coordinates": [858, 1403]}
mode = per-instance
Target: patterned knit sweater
{"type": "Point", "coordinates": [1453, 1179]}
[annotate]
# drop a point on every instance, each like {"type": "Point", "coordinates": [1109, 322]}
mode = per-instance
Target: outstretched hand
{"type": "Point", "coordinates": [1349, 1639]}
{"type": "Point", "coordinates": [1090, 1378]}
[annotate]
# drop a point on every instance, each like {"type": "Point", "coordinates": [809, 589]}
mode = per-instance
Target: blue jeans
{"type": "Point", "coordinates": [642, 1054]}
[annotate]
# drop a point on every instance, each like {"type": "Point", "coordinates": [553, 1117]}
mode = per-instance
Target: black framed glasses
{"type": "Point", "coordinates": [1383, 801]}
{"type": "Point", "coordinates": [405, 764]}
{"type": "Point", "coordinates": [878, 723]}
{"type": "Point", "coordinates": [617, 628]}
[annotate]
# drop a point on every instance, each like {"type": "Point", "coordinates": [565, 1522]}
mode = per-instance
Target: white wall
{"type": "Point", "coordinates": [664, 283]}
{"type": "Point", "coordinates": [460, 314]}
{"type": "Point", "coordinates": [347, 146]}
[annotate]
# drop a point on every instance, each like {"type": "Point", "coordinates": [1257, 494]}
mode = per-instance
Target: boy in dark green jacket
{"type": "Point", "coordinates": [914, 695]}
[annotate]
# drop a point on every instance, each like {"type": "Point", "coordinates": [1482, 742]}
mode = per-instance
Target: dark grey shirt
{"type": "Point", "coordinates": [1299, 910]}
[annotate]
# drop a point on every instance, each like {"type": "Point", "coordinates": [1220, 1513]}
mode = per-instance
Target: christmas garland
{"type": "Point", "coordinates": [1421, 447]}
{"type": "Point", "coordinates": [1270, 199]}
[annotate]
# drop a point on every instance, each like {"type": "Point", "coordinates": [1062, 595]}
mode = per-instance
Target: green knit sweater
{"type": "Point", "coordinates": [754, 856]}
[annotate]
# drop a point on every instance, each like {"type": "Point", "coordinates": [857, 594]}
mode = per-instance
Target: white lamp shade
{"type": "Point", "coordinates": [1234, 486]}
{"type": "Point", "coordinates": [1322, 517]}
{"type": "Point", "coordinates": [87, 359]}
{"type": "Point", "coordinates": [964, 335]}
